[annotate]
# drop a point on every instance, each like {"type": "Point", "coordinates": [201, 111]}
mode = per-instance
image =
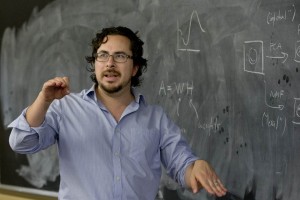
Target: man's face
{"type": "Point", "coordinates": [113, 76]}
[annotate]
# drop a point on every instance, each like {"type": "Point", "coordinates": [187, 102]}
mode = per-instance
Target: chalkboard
{"type": "Point", "coordinates": [227, 72]}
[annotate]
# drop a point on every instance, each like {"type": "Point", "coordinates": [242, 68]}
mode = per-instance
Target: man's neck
{"type": "Point", "coordinates": [116, 102]}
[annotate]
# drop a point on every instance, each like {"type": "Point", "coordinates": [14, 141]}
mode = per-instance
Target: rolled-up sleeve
{"type": "Point", "coordinates": [176, 154]}
{"type": "Point", "coordinates": [25, 139]}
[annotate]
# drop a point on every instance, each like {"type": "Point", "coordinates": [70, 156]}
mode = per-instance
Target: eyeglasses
{"type": "Point", "coordinates": [117, 57]}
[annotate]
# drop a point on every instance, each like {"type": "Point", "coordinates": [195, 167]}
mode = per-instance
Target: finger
{"type": "Point", "coordinates": [205, 182]}
{"type": "Point", "coordinates": [194, 185]}
{"type": "Point", "coordinates": [207, 185]}
{"type": "Point", "coordinates": [218, 187]}
{"type": "Point", "coordinates": [63, 84]}
{"type": "Point", "coordinates": [56, 82]}
{"type": "Point", "coordinates": [221, 190]}
{"type": "Point", "coordinates": [67, 82]}
{"type": "Point", "coordinates": [60, 82]}
{"type": "Point", "coordinates": [50, 83]}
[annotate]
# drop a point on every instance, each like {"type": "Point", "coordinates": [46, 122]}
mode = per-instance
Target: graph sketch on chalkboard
{"type": "Point", "coordinates": [184, 44]}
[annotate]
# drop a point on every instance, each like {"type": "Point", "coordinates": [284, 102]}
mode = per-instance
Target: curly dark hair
{"type": "Point", "coordinates": [136, 48]}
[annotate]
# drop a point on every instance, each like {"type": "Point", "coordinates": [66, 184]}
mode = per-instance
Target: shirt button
{"type": "Point", "coordinates": [117, 154]}
{"type": "Point", "coordinates": [118, 178]}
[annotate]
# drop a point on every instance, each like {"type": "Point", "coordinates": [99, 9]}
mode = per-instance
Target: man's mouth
{"type": "Point", "coordinates": [111, 75]}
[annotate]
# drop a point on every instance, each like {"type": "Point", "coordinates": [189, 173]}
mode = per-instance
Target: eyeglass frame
{"type": "Point", "coordinates": [122, 53]}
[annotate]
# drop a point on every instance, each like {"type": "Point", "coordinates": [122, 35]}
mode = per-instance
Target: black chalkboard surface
{"type": "Point", "coordinates": [227, 72]}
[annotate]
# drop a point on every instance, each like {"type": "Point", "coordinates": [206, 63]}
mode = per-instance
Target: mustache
{"type": "Point", "coordinates": [109, 71]}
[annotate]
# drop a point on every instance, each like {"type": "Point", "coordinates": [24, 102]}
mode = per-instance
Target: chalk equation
{"type": "Point", "coordinates": [182, 88]}
{"type": "Point", "coordinates": [185, 89]}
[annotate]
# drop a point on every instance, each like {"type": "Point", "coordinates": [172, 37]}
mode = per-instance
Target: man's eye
{"type": "Point", "coordinates": [120, 56]}
{"type": "Point", "coordinates": [102, 55]}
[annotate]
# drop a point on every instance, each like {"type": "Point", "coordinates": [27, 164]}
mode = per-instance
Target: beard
{"type": "Point", "coordinates": [111, 90]}
{"type": "Point", "coordinates": [114, 89]}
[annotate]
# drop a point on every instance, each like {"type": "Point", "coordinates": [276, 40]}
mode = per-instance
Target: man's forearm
{"type": "Point", "coordinates": [35, 114]}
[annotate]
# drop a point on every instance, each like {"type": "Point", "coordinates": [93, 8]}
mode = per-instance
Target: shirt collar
{"type": "Point", "coordinates": [138, 97]}
{"type": "Point", "coordinates": [90, 94]}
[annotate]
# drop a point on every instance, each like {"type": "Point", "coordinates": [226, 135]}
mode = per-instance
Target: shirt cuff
{"type": "Point", "coordinates": [181, 175]}
{"type": "Point", "coordinates": [22, 124]}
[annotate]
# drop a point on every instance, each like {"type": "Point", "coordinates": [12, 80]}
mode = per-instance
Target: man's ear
{"type": "Point", "coordinates": [135, 70]}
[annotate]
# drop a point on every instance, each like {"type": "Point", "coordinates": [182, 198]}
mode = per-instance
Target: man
{"type": "Point", "coordinates": [111, 143]}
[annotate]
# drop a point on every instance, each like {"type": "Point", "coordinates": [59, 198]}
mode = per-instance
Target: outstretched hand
{"type": "Point", "coordinates": [202, 175]}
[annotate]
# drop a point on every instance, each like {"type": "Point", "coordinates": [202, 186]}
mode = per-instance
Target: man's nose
{"type": "Point", "coordinates": [110, 62]}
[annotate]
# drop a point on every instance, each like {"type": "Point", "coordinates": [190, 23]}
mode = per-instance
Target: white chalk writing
{"type": "Point", "coordinates": [186, 42]}
{"type": "Point", "coordinates": [184, 88]}
{"type": "Point", "coordinates": [277, 123]}
{"type": "Point", "coordinates": [213, 125]}
{"type": "Point", "coordinates": [281, 15]}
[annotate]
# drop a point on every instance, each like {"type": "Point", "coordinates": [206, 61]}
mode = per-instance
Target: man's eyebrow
{"type": "Point", "coordinates": [117, 52]}
{"type": "Point", "coordinates": [102, 51]}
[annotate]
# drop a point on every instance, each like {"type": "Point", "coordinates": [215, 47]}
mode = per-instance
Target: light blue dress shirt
{"type": "Point", "coordinates": [100, 158]}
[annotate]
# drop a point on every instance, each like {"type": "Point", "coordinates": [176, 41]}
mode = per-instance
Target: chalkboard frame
{"type": "Point", "coordinates": [20, 189]}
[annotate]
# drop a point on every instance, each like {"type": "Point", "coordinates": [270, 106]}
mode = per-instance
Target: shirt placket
{"type": "Point", "coordinates": [117, 163]}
